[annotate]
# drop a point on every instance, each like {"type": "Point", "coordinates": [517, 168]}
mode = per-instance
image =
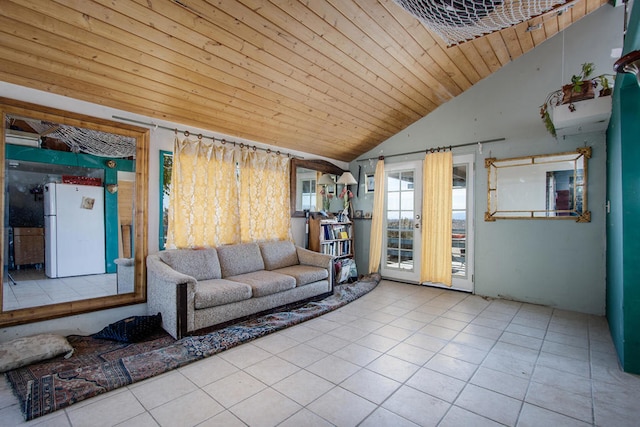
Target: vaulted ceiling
{"type": "Point", "coordinates": [329, 77]}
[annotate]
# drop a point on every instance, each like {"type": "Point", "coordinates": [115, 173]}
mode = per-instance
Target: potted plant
{"type": "Point", "coordinates": [604, 82]}
{"type": "Point", "coordinates": [581, 88]}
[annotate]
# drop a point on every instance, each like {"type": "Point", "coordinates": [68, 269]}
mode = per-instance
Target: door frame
{"type": "Point", "coordinates": [408, 276]}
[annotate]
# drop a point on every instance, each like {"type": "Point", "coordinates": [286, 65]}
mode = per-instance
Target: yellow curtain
{"type": "Point", "coordinates": [204, 195]}
{"type": "Point", "coordinates": [375, 241]}
{"type": "Point", "coordinates": [436, 213]}
{"type": "Point", "coordinates": [264, 197]}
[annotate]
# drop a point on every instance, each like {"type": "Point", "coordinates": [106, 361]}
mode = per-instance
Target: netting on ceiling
{"type": "Point", "coordinates": [95, 142]}
{"type": "Point", "coordinates": [457, 21]}
{"type": "Point", "coordinates": [81, 140]}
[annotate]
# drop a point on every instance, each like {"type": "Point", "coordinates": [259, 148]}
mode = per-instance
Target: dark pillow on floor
{"type": "Point", "coordinates": [131, 329]}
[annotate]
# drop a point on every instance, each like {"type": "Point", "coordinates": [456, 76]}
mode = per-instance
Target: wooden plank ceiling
{"type": "Point", "coordinates": [329, 77]}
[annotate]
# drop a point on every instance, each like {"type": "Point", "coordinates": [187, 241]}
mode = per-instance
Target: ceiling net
{"type": "Point", "coordinates": [95, 142]}
{"type": "Point", "coordinates": [457, 21]}
{"type": "Point", "coordinates": [81, 140]}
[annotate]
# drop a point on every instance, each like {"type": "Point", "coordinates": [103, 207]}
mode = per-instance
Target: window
{"type": "Point", "coordinates": [308, 194]}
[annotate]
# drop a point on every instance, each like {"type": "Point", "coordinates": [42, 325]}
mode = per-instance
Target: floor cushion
{"type": "Point", "coordinates": [26, 350]}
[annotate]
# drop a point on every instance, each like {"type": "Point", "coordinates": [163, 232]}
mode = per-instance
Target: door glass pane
{"type": "Point", "coordinates": [459, 224]}
{"type": "Point", "coordinates": [393, 181]}
{"type": "Point", "coordinates": [407, 240]}
{"type": "Point", "coordinates": [393, 258]}
{"type": "Point", "coordinates": [393, 220]}
{"type": "Point", "coordinates": [393, 201]}
{"type": "Point", "coordinates": [407, 220]}
{"type": "Point", "coordinates": [407, 180]}
{"type": "Point", "coordinates": [406, 201]}
{"type": "Point", "coordinates": [400, 220]}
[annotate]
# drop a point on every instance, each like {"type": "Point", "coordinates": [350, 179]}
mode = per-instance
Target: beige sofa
{"type": "Point", "coordinates": [197, 289]}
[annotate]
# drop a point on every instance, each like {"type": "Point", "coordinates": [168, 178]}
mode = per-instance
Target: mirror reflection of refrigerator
{"type": "Point", "coordinates": [74, 230]}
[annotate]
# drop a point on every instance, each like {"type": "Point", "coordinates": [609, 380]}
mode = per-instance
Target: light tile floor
{"type": "Point", "coordinates": [33, 288]}
{"type": "Point", "coordinates": [402, 355]}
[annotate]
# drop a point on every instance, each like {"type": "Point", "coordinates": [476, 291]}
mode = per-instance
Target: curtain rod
{"type": "Point", "coordinates": [213, 138]}
{"type": "Point", "coordinates": [435, 149]}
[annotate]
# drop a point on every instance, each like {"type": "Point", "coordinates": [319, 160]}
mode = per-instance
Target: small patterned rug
{"type": "Point", "coordinates": [98, 366]}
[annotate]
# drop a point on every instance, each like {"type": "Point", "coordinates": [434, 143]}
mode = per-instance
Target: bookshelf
{"type": "Point", "coordinates": [331, 237]}
{"type": "Point", "coordinates": [336, 238]}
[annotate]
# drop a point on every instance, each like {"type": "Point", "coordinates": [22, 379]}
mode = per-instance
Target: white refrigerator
{"type": "Point", "coordinates": [73, 230]}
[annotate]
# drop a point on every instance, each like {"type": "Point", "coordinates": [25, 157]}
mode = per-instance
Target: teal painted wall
{"type": "Point", "coordinates": [615, 277]}
{"type": "Point", "coordinates": [30, 154]}
{"type": "Point", "coordinates": [623, 222]}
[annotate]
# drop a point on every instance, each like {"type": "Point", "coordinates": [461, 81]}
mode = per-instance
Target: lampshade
{"type": "Point", "coordinates": [347, 179]}
{"type": "Point", "coordinates": [326, 179]}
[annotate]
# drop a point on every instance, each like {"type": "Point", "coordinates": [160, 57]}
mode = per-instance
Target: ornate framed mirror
{"type": "Point", "coordinates": [304, 180]}
{"type": "Point", "coordinates": [551, 186]}
{"type": "Point", "coordinates": [105, 165]}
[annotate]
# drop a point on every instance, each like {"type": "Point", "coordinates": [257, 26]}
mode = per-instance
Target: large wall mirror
{"type": "Point", "coordinates": [75, 213]}
{"type": "Point", "coordinates": [306, 184]}
{"type": "Point", "coordinates": [552, 186]}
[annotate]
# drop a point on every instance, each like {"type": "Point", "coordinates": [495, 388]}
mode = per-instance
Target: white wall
{"type": "Point", "coordinates": [555, 263]}
{"type": "Point", "coordinates": [161, 139]}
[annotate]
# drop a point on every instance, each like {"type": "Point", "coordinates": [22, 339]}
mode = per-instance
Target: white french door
{"type": "Point", "coordinates": [402, 233]}
{"type": "Point", "coordinates": [401, 246]}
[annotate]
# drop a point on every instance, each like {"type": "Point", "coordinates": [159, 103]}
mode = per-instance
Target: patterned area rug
{"type": "Point", "coordinates": [98, 366]}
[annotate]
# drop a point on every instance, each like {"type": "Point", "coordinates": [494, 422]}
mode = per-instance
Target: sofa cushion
{"type": "Point", "coordinates": [304, 274]}
{"type": "Point", "coordinates": [265, 282]}
{"type": "Point", "coordinates": [201, 264]}
{"type": "Point", "coordinates": [240, 259]}
{"type": "Point", "coordinates": [278, 254]}
{"type": "Point", "coordinates": [211, 293]}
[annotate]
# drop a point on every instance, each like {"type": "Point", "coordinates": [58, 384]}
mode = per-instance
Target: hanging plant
{"type": "Point", "coordinates": [546, 119]}
{"type": "Point", "coordinates": [553, 99]}
{"type": "Point", "coordinates": [581, 88]}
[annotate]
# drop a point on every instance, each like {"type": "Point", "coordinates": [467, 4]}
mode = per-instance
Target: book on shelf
{"type": "Point", "coordinates": [335, 232]}
{"type": "Point", "coordinates": [336, 248]}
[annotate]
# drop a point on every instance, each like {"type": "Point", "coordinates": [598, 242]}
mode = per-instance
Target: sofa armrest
{"type": "Point", "coordinates": [316, 259]}
{"type": "Point", "coordinates": [172, 294]}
